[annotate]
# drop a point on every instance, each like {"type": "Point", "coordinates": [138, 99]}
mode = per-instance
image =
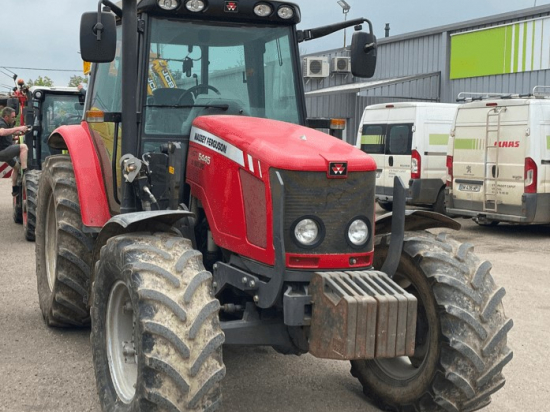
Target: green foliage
{"type": "Point", "coordinates": [40, 81]}
{"type": "Point", "coordinates": [76, 80]}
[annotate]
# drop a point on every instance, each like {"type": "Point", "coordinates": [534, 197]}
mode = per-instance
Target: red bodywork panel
{"type": "Point", "coordinates": [89, 181]}
{"type": "Point", "coordinates": [223, 147]}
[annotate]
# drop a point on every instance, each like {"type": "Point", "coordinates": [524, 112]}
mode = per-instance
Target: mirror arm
{"type": "Point", "coordinates": [98, 28]}
{"type": "Point", "coordinates": [310, 34]}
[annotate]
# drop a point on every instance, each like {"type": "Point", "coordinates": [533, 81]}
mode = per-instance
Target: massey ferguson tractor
{"type": "Point", "coordinates": [46, 108]}
{"type": "Point", "coordinates": [209, 213]}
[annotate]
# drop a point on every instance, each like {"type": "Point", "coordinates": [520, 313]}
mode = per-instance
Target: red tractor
{"type": "Point", "coordinates": [209, 213]}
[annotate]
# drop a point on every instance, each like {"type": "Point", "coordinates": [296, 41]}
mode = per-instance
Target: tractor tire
{"type": "Point", "coordinates": [461, 337]}
{"type": "Point", "coordinates": [387, 206]}
{"type": "Point", "coordinates": [156, 336]}
{"type": "Point", "coordinates": [30, 196]}
{"type": "Point", "coordinates": [63, 250]}
{"type": "Point", "coordinates": [17, 205]}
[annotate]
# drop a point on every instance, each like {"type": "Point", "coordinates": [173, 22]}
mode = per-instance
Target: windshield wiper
{"type": "Point", "coordinates": [207, 106]}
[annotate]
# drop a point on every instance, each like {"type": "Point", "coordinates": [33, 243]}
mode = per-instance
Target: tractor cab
{"type": "Point", "coordinates": [230, 58]}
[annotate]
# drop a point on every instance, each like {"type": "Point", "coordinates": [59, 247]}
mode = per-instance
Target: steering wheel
{"type": "Point", "coordinates": [196, 89]}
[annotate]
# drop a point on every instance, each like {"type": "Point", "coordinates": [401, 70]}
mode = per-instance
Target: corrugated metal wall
{"type": "Point", "coordinates": [423, 52]}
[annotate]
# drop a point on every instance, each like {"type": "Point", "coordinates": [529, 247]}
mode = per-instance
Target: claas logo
{"type": "Point", "coordinates": [507, 144]}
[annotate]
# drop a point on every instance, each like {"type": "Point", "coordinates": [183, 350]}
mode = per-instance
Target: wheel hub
{"type": "Point", "coordinates": [121, 350]}
{"type": "Point", "coordinates": [50, 242]}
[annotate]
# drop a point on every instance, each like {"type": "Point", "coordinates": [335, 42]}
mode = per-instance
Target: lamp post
{"type": "Point", "coordinates": [345, 9]}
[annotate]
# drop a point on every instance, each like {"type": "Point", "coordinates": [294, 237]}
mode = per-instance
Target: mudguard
{"type": "Point", "coordinates": [416, 220]}
{"type": "Point", "coordinates": [158, 220]}
{"type": "Point", "coordinates": [76, 139]}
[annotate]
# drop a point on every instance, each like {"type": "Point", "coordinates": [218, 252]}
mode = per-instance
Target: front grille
{"type": "Point", "coordinates": [334, 201]}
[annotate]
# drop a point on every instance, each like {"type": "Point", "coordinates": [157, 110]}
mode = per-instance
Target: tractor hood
{"type": "Point", "coordinates": [280, 145]}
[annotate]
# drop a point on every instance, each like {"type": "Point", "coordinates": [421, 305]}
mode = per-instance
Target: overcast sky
{"type": "Point", "coordinates": [43, 34]}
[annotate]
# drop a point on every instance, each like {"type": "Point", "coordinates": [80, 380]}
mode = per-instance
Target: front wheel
{"type": "Point", "coordinates": [461, 331]}
{"type": "Point", "coordinates": [156, 337]}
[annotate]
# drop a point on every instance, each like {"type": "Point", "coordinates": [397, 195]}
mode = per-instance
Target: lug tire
{"type": "Point", "coordinates": [171, 319]}
{"type": "Point", "coordinates": [30, 196]}
{"type": "Point", "coordinates": [18, 206]}
{"type": "Point", "coordinates": [461, 333]}
{"type": "Point", "coordinates": [63, 250]}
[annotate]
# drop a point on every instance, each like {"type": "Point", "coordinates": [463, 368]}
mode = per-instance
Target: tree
{"type": "Point", "coordinates": [40, 81]}
{"type": "Point", "coordinates": [76, 80]}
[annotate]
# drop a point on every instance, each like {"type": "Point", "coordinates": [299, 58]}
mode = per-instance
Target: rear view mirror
{"type": "Point", "coordinates": [98, 39]}
{"type": "Point", "coordinates": [363, 54]}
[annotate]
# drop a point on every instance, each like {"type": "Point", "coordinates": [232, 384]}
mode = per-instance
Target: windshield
{"type": "Point", "coordinates": [199, 68]}
{"type": "Point", "coordinates": [58, 110]}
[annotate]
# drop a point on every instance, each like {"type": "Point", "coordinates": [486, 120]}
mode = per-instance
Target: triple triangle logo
{"type": "Point", "coordinates": [338, 169]}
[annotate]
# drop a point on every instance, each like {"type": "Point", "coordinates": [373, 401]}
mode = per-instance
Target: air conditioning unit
{"type": "Point", "coordinates": [341, 65]}
{"type": "Point", "coordinates": [316, 67]}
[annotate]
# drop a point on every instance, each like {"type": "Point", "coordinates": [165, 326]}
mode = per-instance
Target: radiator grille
{"type": "Point", "coordinates": [334, 201]}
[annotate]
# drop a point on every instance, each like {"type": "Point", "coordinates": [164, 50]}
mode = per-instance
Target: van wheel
{"type": "Point", "coordinates": [485, 222]}
{"type": "Point", "coordinates": [439, 205]}
{"type": "Point", "coordinates": [387, 206]}
{"type": "Point", "coordinates": [156, 336]}
{"type": "Point", "coordinates": [461, 333]}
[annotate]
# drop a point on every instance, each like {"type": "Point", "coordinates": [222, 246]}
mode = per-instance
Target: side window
{"type": "Point", "coordinates": [399, 139]}
{"type": "Point", "coordinates": [373, 138]}
{"type": "Point", "coordinates": [107, 88]}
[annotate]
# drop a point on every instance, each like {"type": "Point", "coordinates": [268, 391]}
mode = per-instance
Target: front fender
{"type": "Point", "coordinates": [161, 220]}
{"type": "Point", "coordinates": [77, 140]}
{"type": "Point", "coordinates": [416, 220]}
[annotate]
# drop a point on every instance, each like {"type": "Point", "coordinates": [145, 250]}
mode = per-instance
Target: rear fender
{"type": "Point", "coordinates": [76, 139]}
{"type": "Point", "coordinates": [154, 221]}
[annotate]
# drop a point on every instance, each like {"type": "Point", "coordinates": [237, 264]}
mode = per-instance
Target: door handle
{"type": "Point", "coordinates": [390, 161]}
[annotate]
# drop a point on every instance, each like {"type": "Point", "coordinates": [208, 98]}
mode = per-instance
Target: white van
{"type": "Point", "coordinates": [499, 161]}
{"type": "Point", "coordinates": [408, 140]}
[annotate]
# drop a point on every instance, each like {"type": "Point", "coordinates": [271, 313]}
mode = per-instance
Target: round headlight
{"type": "Point", "coordinates": [263, 10]}
{"type": "Point", "coordinates": [38, 95]}
{"type": "Point", "coordinates": [306, 232]}
{"type": "Point", "coordinates": [358, 232]}
{"type": "Point", "coordinates": [168, 4]}
{"type": "Point", "coordinates": [195, 5]}
{"type": "Point", "coordinates": [285, 12]}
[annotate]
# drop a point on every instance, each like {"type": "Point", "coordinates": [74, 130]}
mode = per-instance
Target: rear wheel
{"type": "Point", "coordinates": [30, 196]}
{"type": "Point", "coordinates": [63, 250]}
{"type": "Point", "coordinates": [156, 336]}
{"type": "Point", "coordinates": [461, 331]}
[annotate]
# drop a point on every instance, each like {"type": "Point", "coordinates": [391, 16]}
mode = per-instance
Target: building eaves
{"type": "Point", "coordinates": [483, 21]}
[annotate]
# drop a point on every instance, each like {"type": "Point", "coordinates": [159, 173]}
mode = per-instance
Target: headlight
{"type": "Point", "coordinates": [285, 12]}
{"type": "Point", "coordinates": [308, 232]}
{"type": "Point", "coordinates": [358, 232]}
{"type": "Point", "coordinates": [263, 10]}
{"type": "Point", "coordinates": [168, 4]}
{"type": "Point", "coordinates": [195, 5]}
